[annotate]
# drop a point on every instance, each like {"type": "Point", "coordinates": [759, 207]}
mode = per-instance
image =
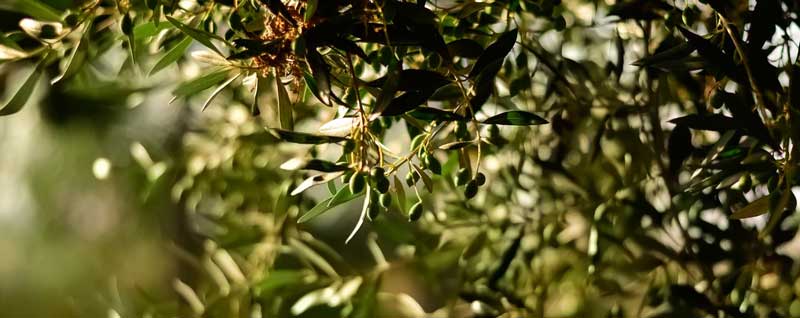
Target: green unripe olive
{"type": "Point", "coordinates": [471, 190]}
{"type": "Point", "coordinates": [463, 176]}
{"type": "Point", "coordinates": [412, 177]}
{"type": "Point", "coordinates": [373, 211]}
{"type": "Point", "coordinates": [385, 200]}
{"type": "Point", "coordinates": [357, 183]}
{"type": "Point", "coordinates": [415, 212]}
{"type": "Point", "coordinates": [48, 31]}
{"type": "Point", "coordinates": [381, 184]}
{"type": "Point", "coordinates": [433, 164]}
{"type": "Point", "coordinates": [480, 178]}
{"type": "Point", "coordinates": [417, 141]}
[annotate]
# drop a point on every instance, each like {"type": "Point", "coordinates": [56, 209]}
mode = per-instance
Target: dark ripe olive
{"type": "Point", "coordinates": [356, 183]}
{"type": "Point", "coordinates": [71, 19]}
{"type": "Point", "coordinates": [433, 164]}
{"type": "Point", "coordinates": [373, 211]}
{"type": "Point", "coordinates": [480, 178]}
{"type": "Point", "coordinates": [463, 176]}
{"type": "Point", "coordinates": [382, 184]}
{"type": "Point", "coordinates": [127, 24]}
{"type": "Point", "coordinates": [210, 26]}
{"type": "Point", "coordinates": [48, 31]}
{"type": "Point", "coordinates": [415, 212]}
{"type": "Point", "coordinates": [471, 190]}
{"type": "Point", "coordinates": [385, 200]}
{"type": "Point", "coordinates": [377, 172]}
{"type": "Point", "coordinates": [559, 23]}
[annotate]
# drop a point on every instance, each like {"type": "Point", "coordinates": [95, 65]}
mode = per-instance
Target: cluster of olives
{"type": "Point", "coordinates": [464, 177]}
{"type": "Point", "coordinates": [380, 198]}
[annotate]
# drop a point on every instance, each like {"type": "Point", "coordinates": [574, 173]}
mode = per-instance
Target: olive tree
{"type": "Point", "coordinates": [513, 158]}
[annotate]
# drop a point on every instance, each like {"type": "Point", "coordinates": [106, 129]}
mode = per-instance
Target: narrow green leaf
{"type": "Point", "coordinates": [431, 114]}
{"type": "Point", "coordinates": [175, 53]}
{"type": "Point", "coordinates": [23, 93]}
{"type": "Point", "coordinates": [77, 57]}
{"type": "Point", "coordinates": [400, 193]}
{"type": "Point", "coordinates": [34, 8]}
{"type": "Point", "coordinates": [278, 279]}
{"type": "Point", "coordinates": [456, 145]}
{"type": "Point", "coordinates": [315, 180]}
{"type": "Point", "coordinates": [200, 83]}
{"type": "Point", "coordinates": [755, 208]}
{"type": "Point", "coordinates": [148, 29]}
{"type": "Point", "coordinates": [219, 90]}
{"type": "Point", "coordinates": [313, 164]}
{"type": "Point", "coordinates": [495, 51]}
{"type": "Point", "coordinates": [517, 118]}
{"type": "Point", "coordinates": [304, 138]}
{"type": "Point", "coordinates": [325, 205]}
{"type": "Point", "coordinates": [312, 256]}
{"type": "Point", "coordinates": [311, 8]}
{"type": "Point", "coordinates": [284, 105]}
{"type": "Point", "coordinates": [199, 35]}
{"type": "Point", "coordinates": [343, 195]}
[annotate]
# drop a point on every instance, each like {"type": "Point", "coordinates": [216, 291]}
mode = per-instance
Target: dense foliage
{"type": "Point", "coordinates": [509, 158]}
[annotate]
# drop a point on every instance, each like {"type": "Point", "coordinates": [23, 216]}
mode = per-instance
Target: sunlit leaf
{"type": "Point", "coordinates": [23, 93]}
{"type": "Point", "coordinates": [174, 53]}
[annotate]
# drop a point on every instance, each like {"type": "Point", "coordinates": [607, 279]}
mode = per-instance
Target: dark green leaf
{"type": "Point", "coordinates": [304, 138]}
{"type": "Point", "coordinates": [465, 48]}
{"type": "Point", "coordinates": [495, 51]}
{"type": "Point", "coordinates": [279, 9]}
{"type": "Point", "coordinates": [198, 35]}
{"type": "Point", "coordinates": [517, 118]}
{"type": "Point", "coordinates": [431, 114]}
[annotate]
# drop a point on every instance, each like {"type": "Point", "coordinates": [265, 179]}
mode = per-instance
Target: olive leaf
{"type": "Point", "coordinates": [23, 93]}
{"type": "Point", "coordinates": [304, 138]}
{"type": "Point", "coordinates": [516, 118]}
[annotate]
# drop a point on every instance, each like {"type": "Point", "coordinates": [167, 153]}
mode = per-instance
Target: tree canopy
{"type": "Point", "coordinates": [511, 158]}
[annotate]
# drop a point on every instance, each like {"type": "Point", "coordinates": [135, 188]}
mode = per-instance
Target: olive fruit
{"type": "Point", "coordinates": [382, 184]}
{"type": "Point", "coordinates": [433, 164]}
{"type": "Point", "coordinates": [412, 177]}
{"type": "Point", "coordinates": [415, 212]}
{"type": "Point", "coordinates": [471, 190]}
{"type": "Point", "coordinates": [463, 176]}
{"type": "Point", "coordinates": [356, 183]}
{"type": "Point", "coordinates": [386, 200]}
{"type": "Point", "coordinates": [48, 31]}
{"type": "Point", "coordinates": [480, 178]}
{"type": "Point", "coordinates": [377, 172]}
